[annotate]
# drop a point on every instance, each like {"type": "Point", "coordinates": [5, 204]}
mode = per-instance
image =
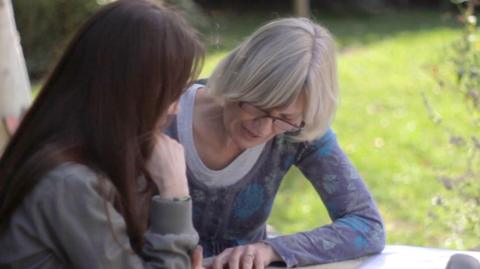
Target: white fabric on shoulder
{"type": "Point", "coordinates": [229, 175]}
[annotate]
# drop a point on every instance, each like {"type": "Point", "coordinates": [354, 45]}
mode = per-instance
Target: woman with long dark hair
{"type": "Point", "coordinates": [88, 181]}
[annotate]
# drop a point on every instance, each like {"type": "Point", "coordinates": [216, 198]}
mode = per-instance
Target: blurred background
{"type": "Point", "coordinates": [410, 100]}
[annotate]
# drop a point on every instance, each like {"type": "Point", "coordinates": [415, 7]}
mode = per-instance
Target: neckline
{"type": "Point", "coordinates": [228, 175]}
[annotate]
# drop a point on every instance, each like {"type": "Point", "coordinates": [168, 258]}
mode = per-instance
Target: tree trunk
{"type": "Point", "coordinates": [301, 8]}
{"type": "Point", "coordinates": [15, 95]}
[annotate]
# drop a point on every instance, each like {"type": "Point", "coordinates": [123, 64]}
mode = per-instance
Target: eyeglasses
{"type": "Point", "coordinates": [283, 125]}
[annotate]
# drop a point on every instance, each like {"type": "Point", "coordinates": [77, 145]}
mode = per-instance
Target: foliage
{"type": "Point", "coordinates": [381, 123]}
{"type": "Point", "coordinates": [45, 26]}
{"type": "Point", "coordinates": [459, 77]}
{"type": "Point", "coordinates": [191, 11]}
{"type": "Point", "coordinates": [324, 4]}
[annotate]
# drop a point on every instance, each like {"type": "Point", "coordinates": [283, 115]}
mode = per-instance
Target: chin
{"type": "Point", "coordinates": [244, 144]}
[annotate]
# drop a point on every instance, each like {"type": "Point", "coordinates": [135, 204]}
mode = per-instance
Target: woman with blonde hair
{"type": "Point", "coordinates": [77, 184]}
{"type": "Point", "coordinates": [269, 106]}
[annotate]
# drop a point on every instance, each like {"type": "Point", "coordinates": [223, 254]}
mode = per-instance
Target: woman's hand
{"type": "Point", "coordinates": [197, 258]}
{"type": "Point", "coordinates": [167, 167]}
{"type": "Point", "coordinates": [258, 255]}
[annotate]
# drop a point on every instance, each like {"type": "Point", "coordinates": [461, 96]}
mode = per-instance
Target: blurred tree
{"type": "Point", "coordinates": [14, 83]}
{"type": "Point", "coordinates": [302, 8]}
{"type": "Point", "coordinates": [324, 5]}
{"type": "Point", "coordinates": [46, 25]}
{"type": "Point", "coordinates": [191, 11]}
{"type": "Point", "coordinates": [459, 74]}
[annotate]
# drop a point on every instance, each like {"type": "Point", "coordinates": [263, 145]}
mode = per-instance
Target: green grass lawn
{"type": "Point", "coordinates": [385, 64]}
{"type": "Point", "coordinates": [382, 124]}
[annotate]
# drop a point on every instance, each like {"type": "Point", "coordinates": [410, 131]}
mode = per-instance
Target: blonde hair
{"type": "Point", "coordinates": [279, 62]}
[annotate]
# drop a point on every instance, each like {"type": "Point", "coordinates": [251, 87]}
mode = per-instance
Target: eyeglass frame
{"type": "Point", "coordinates": [296, 128]}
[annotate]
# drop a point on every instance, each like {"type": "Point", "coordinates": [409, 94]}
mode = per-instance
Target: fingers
{"type": "Point", "coordinates": [197, 258]}
{"type": "Point", "coordinates": [163, 138]}
{"type": "Point", "coordinates": [259, 263]}
{"type": "Point", "coordinates": [173, 108]}
{"type": "Point", "coordinates": [234, 258]}
{"type": "Point", "coordinates": [249, 255]}
{"type": "Point", "coordinates": [167, 167]}
{"type": "Point", "coordinates": [221, 259]}
{"type": "Point", "coordinates": [241, 257]}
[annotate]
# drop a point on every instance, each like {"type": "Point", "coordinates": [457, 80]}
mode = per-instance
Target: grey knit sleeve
{"type": "Point", "coordinates": [87, 231]}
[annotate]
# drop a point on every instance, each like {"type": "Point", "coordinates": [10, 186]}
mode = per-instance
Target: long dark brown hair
{"type": "Point", "coordinates": [102, 103]}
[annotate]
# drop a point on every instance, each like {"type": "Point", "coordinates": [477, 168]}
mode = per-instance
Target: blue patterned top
{"type": "Point", "coordinates": [236, 214]}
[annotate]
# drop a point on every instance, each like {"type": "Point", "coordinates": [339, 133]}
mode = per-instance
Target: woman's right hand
{"type": "Point", "coordinates": [167, 167]}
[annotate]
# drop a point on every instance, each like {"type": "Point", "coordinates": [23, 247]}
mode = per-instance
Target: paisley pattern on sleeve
{"type": "Point", "coordinates": [357, 228]}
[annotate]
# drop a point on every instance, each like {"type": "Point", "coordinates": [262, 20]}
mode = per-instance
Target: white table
{"type": "Point", "coordinates": [399, 257]}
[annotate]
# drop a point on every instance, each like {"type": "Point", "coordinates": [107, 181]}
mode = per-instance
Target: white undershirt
{"type": "Point", "coordinates": [233, 172]}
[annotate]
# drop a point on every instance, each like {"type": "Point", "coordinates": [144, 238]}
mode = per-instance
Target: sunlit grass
{"type": "Point", "coordinates": [382, 123]}
{"type": "Point", "coordinates": [384, 127]}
